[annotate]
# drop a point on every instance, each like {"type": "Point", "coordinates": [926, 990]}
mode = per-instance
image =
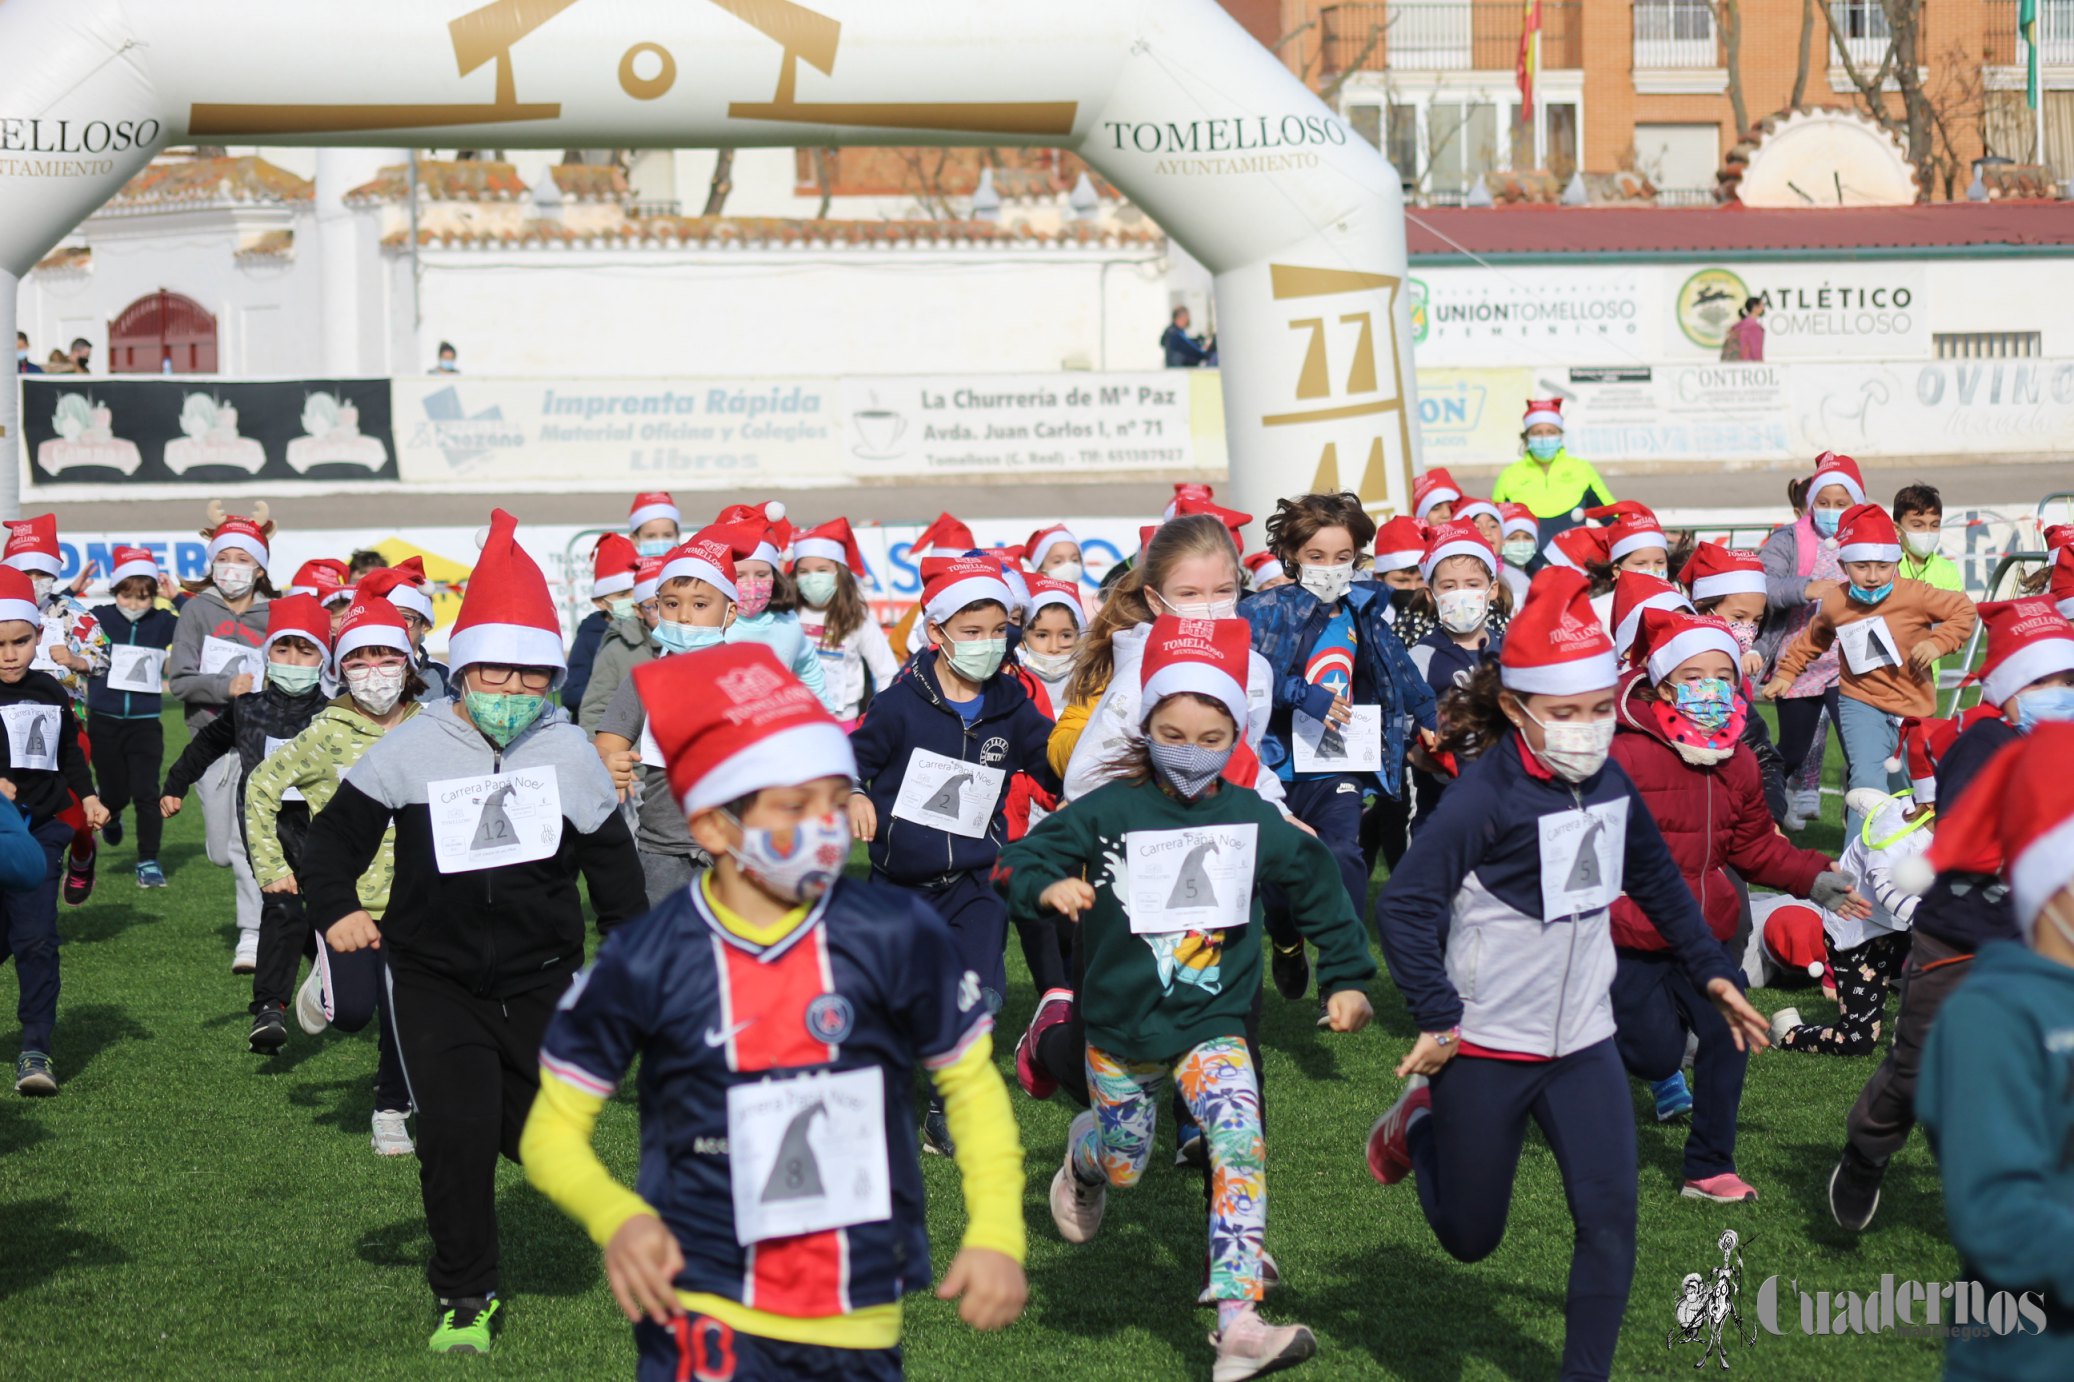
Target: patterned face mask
{"type": "Point", "coordinates": [376, 689]}
{"type": "Point", "coordinates": [501, 716]}
{"type": "Point", "coordinates": [1709, 703]}
{"type": "Point", "coordinates": [796, 865]}
{"type": "Point", "coordinates": [752, 595]}
{"type": "Point", "coordinates": [1187, 768]}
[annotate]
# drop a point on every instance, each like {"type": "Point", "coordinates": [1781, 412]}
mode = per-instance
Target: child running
{"type": "Point", "coordinates": [855, 656]}
{"type": "Point", "coordinates": [1498, 930]}
{"type": "Point", "coordinates": [1159, 868]}
{"type": "Point", "coordinates": [1462, 599]}
{"type": "Point", "coordinates": [780, 1013]}
{"type": "Point", "coordinates": [128, 737]}
{"type": "Point", "coordinates": [613, 562]}
{"type": "Point", "coordinates": [764, 599]}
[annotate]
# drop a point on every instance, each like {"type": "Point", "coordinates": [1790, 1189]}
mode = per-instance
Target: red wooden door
{"type": "Point", "coordinates": [162, 333]}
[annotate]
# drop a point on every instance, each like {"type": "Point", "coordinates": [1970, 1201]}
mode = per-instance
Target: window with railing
{"type": "Point", "coordinates": [1444, 35]}
{"type": "Point", "coordinates": [2005, 45]}
{"type": "Point", "coordinates": [1674, 33]}
{"type": "Point", "coordinates": [1861, 26]}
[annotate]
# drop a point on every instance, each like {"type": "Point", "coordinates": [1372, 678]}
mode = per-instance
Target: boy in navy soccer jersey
{"type": "Point", "coordinates": [779, 1012]}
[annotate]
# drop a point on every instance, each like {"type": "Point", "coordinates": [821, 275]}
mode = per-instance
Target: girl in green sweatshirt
{"type": "Point", "coordinates": [1160, 867]}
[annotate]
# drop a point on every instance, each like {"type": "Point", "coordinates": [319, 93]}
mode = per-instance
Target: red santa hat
{"type": "Point", "coordinates": [1399, 543]}
{"type": "Point", "coordinates": [831, 541]}
{"type": "Point", "coordinates": [1714, 571]}
{"type": "Point", "coordinates": [1867, 533]}
{"type": "Point", "coordinates": [1667, 638]}
{"type": "Point", "coordinates": [1207, 656]}
{"type": "Point", "coordinates": [649, 506]}
{"type": "Point", "coordinates": [946, 537]}
{"type": "Point", "coordinates": [767, 522]}
{"type": "Point", "coordinates": [1634, 592]}
{"type": "Point", "coordinates": [138, 561]}
{"type": "Point", "coordinates": [507, 615]}
{"type": "Point", "coordinates": [2027, 639]}
{"type": "Point", "coordinates": [1010, 560]}
{"type": "Point", "coordinates": [1466, 509]}
{"type": "Point", "coordinates": [1539, 410]}
{"type": "Point", "coordinates": [1832, 469]}
{"type": "Point", "coordinates": [1254, 561]}
{"type": "Point", "coordinates": [298, 616]}
{"type": "Point", "coordinates": [1186, 489]}
{"type": "Point", "coordinates": [1234, 522]}
{"type": "Point", "coordinates": [32, 545]}
{"type": "Point", "coordinates": [1577, 548]}
{"type": "Point", "coordinates": [731, 720]}
{"type": "Point", "coordinates": [1043, 540]}
{"type": "Point", "coordinates": [612, 565]}
{"type": "Point", "coordinates": [18, 598]}
{"type": "Point", "coordinates": [2017, 819]}
{"type": "Point", "coordinates": [402, 585]}
{"type": "Point", "coordinates": [1633, 528]}
{"type": "Point", "coordinates": [1049, 590]}
{"type": "Point", "coordinates": [371, 622]}
{"type": "Point", "coordinates": [1554, 645]}
{"type": "Point", "coordinates": [963, 581]}
{"type": "Point", "coordinates": [319, 576]}
{"type": "Point", "coordinates": [2061, 585]}
{"type": "Point", "coordinates": [1457, 537]}
{"type": "Point", "coordinates": [1518, 518]}
{"type": "Point", "coordinates": [1436, 486]}
{"type": "Point", "coordinates": [648, 578]}
{"type": "Point", "coordinates": [707, 555]}
{"type": "Point", "coordinates": [1793, 933]}
{"type": "Point", "coordinates": [1924, 743]}
{"type": "Point", "coordinates": [248, 535]}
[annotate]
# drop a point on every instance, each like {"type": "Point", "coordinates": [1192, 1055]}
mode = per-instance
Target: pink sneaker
{"type": "Point", "coordinates": [1726, 1188]}
{"type": "Point", "coordinates": [1076, 1206]}
{"type": "Point", "coordinates": [1252, 1347]}
{"type": "Point", "coordinates": [1053, 1008]}
{"type": "Point", "coordinates": [1389, 1153]}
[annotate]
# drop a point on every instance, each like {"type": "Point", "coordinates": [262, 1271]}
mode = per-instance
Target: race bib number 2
{"type": "Point", "coordinates": [502, 818]}
{"type": "Point", "coordinates": [946, 794]}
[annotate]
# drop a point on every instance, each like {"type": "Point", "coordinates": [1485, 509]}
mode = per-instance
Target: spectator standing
{"type": "Point", "coordinates": [1183, 350]}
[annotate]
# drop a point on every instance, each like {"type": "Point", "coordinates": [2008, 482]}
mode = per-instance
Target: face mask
{"type": "Point", "coordinates": [1871, 597]}
{"type": "Point", "coordinates": [376, 689]}
{"type": "Point", "coordinates": [797, 865]}
{"type": "Point", "coordinates": [133, 615]}
{"type": "Point", "coordinates": [20, 355]}
{"type": "Point", "coordinates": [817, 588]}
{"type": "Point", "coordinates": [1574, 749]}
{"type": "Point", "coordinates": [1066, 571]}
{"type": "Point", "coordinates": [753, 595]}
{"type": "Point", "coordinates": [1745, 631]}
{"type": "Point", "coordinates": [1202, 609]}
{"type": "Point", "coordinates": [2047, 704]}
{"type": "Point", "coordinates": [1463, 611]}
{"type": "Point", "coordinates": [1709, 703]}
{"type": "Point", "coordinates": [1519, 550]}
{"type": "Point", "coordinates": [1544, 448]}
{"type": "Point", "coordinates": [1825, 520]}
{"type": "Point", "coordinates": [977, 659]}
{"type": "Point", "coordinates": [503, 716]}
{"type": "Point", "coordinates": [232, 579]}
{"type": "Point", "coordinates": [683, 638]}
{"type": "Point", "coordinates": [1922, 544]}
{"type": "Point", "coordinates": [653, 546]}
{"type": "Point", "coordinates": [624, 609]}
{"type": "Point", "coordinates": [1187, 768]}
{"type": "Point", "coordinates": [1049, 666]}
{"type": "Point", "coordinates": [42, 585]}
{"type": "Point", "coordinates": [1328, 583]}
{"type": "Point", "coordinates": [291, 680]}
{"type": "Point", "coordinates": [449, 367]}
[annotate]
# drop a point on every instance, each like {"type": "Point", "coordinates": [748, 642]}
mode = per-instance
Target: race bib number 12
{"type": "Point", "coordinates": [502, 818]}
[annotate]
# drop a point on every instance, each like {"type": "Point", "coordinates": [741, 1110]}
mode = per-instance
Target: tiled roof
{"type": "Point", "coordinates": [443, 180]}
{"type": "Point", "coordinates": [66, 259]}
{"type": "Point", "coordinates": [733, 232]}
{"type": "Point", "coordinates": [202, 181]}
{"type": "Point", "coordinates": [268, 244]}
{"type": "Point", "coordinates": [592, 182]}
{"type": "Point", "coordinates": [1528, 231]}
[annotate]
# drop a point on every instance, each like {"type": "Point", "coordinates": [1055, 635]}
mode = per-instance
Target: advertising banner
{"type": "Point", "coordinates": [1012, 424]}
{"type": "Point", "coordinates": [1839, 310]}
{"type": "Point", "coordinates": [1533, 315]}
{"type": "Point", "coordinates": [1665, 413]}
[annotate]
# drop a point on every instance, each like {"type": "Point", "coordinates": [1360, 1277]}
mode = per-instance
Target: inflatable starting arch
{"type": "Point", "coordinates": [1300, 221]}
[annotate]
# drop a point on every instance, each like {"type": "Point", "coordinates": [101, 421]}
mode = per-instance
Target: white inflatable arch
{"type": "Point", "coordinates": [1300, 221]}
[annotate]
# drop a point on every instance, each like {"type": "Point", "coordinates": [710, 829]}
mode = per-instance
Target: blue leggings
{"type": "Point", "coordinates": [1466, 1154]}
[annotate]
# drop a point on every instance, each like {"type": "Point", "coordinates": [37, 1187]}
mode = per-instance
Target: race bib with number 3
{"type": "Point", "coordinates": [947, 794]}
{"type": "Point", "coordinates": [808, 1154]}
{"type": "Point", "coordinates": [32, 735]}
{"type": "Point", "coordinates": [1197, 878]}
{"type": "Point", "coordinates": [486, 822]}
{"type": "Point", "coordinates": [1582, 853]}
{"type": "Point", "coordinates": [1355, 748]}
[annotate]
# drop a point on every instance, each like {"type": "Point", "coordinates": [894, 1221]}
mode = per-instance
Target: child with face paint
{"type": "Point", "coordinates": [763, 602]}
{"type": "Point", "coordinates": [498, 805]}
{"type": "Point", "coordinates": [1996, 1073]}
{"type": "Point", "coordinates": [127, 734]}
{"type": "Point", "coordinates": [837, 622]}
{"type": "Point", "coordinates": [770, 983]}
{"type": "Point", "coordinates": [1159, 868]}
{"type": "Point", "coordinates": [934, 756]}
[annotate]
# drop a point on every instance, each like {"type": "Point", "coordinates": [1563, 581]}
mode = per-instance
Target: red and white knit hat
{"type": "Point", "coordinates": [2027, 639]}
{"type": "Point", "coordinates": [1399, 543]}
{"type": "Point", "coordinates": [245, 534]}
{"type": "Point", "coordinates": [297, 616]}
{"type": "Point", "coordinates": [1554, 645]}
{"type": "Point", "coordinates": [612, 566]}
{"type": "Point", "coordinates": [1634, 592]}
{"type": "Point", "coordinates": [1043, 540]}
{"type": "Point", "coordinates": [760, 523]}
{"type": "Point", "coordinates": [1436, 486]}
{"type": "Point", "coordinates": [1632, 529]}
{"type": "Point", "coordinates": [2061, 586]}
{"type": "Point", "coordinates": [946, 537]}
{"type": "Point", "coordinates": [1049, 590]}
{"type": "Point", "coordinates": [1832, 469]}
{"type": "Point", "coordinates": [731, 720]}
{"type": "Point", "coordinates": [1466, 509]}
{"type": "Point", "coordinates": [965, 581]}
{"type": "Point", "coordinates": [371, 622]}
{"type": "Point", "coordinates": [138, 561]}
{"type": "Point", "coordinates": [32, 545]}
{"type": "Point", "coordinates": [1667, 638]}
{"type": "Point", "coordinates": [1207, 656]}
{"type": "Point", "coordinates": [1542, 410]}
{"type": "Point", "coordinates": [507, 615]}
{"type": "Point", "coordinates": [402, 585]}
{"type": "Point", "coordinates": [18, 598]}
{"type": "Point", "coordinates": [648, 577]}
{"type": "Point", "coordinates": [1577, 548]}
{"type": "Point", "coordinates": [832, 541]}
{"type": "Point", "coordinates": [1458, 537]}
{"type": "Point", "coordinates": [1518, 518]}
{"type": "Point", "coordinates": [650, 506]}
{"type": "Point", "coordinates": [319, 576]}
{"type": "Point", "coordinates": [707, 555]}
{"type": "Point", "coordinates": [1186, 489]}
{"type": "Point", "coordinates": [1714, 571]}
{"type": "Point", "coordinates": [2017, 819]}
{"type": "Point", "coordinates": [1867, 533]}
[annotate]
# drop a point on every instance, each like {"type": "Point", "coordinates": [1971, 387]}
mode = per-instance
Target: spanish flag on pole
{"type": "Point", "coordinates": [1529, 66]}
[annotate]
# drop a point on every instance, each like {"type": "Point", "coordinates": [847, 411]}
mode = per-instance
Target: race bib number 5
{"type": "Point", "coordinates": [1198, 878]}
{"type": "Point", "coordinates": [503, 818]}
{"type": "Point", "coordinates": [1581, 857]}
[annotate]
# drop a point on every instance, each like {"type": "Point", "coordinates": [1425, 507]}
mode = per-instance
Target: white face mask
{"type": "Point", "coordinates": [376, 689]}
{"type": "Point", "coordinates": [1328, 583]}
{"type": "Point", "coordinates": [1573, 749]}
{"type": "Point", "coordinates": [1922, 544]}
{"type": "Point", "coordinates": [233, 579]}
{"type": "Point", "coordinates": [133, 615]}
{"type": "Point", "coordinates": [1065, 571]}
{"type": "Point", "coordinates": [1047, 666]}
{"type": "Point", "coordinates": [1201, 609]}
{"type": "Point", "coordinates": [42, 585]}
{"type": "Point", "coordinates": [1463, 611]}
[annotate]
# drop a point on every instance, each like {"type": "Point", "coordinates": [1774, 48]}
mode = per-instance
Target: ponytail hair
{"type": "Point", "coordinates": [1126, 605]}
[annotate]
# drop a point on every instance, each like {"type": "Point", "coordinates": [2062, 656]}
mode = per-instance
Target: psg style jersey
{"type": "Point", "coordinates": [777, 1127]}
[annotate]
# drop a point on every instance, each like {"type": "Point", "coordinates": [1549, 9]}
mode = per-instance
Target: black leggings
{"type": "Point", "coordinates": [1864, 975]}
{"type": "Point", "coordinates": [355, 991]}
{"type": "Point", "coordinates": [1798, 717]}
{"type": "Point", "coordinates": [127, 755]}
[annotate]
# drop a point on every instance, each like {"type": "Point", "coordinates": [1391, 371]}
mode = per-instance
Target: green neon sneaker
{"type": "Point", "coordinates": [464, 1324]}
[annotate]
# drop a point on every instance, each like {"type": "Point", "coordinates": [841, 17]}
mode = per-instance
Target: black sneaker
{"type": "Point", "coordinates": [112, 832]}
{"type": "Point", "coordinates": [1854, 1190]}
{"type": "Point", "coordinates": [467, 1324]}
{"type": "Point", "coordinates": [269, 1031]}
{"type": "Point", "coordinates": [33, 1077]}
{"type": "Point", "coordinates": [1291, 970]}
{"type": "Point", "coordinates": [79, 879]}
{"type": "Point", "coordinates": [936, 1133]}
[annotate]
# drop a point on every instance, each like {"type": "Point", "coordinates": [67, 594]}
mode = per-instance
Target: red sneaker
{"type": "Point", "coordinates": [1053, 1008]}
{"type": "Point", "coordinates": [1389, 1152]}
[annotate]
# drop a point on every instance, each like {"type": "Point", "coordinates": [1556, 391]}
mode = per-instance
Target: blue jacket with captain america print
{"type": "Point", "coordinates": [1287, 622]}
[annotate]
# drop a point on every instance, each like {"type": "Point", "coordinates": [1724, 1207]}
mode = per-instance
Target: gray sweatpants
{"type": "Point", "coordinates": [222, 840]}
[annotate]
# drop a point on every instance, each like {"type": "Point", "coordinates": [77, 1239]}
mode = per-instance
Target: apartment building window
{"type": "Point", "coordinates": [1862, 25]}
{"type": "Point", "coordinates": [1676, 33]}
{"type": "Point", "coordinates": [1440, 144]}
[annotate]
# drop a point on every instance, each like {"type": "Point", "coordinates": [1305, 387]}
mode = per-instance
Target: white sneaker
{"type": "Point", "coordinates": [391, 1136]}
{"type": "Point", "coordinates": [1784, 1021]}
{"type": "Point", "coordinates": [1806, 804]}
{"type": "Point", "coordinates": [1794, 822]}
{"type": "Point", "coordinates": [1252, 1346]}
{"type": "Point", "coordinates": [245, 958]}
{"type": "Point", "coordinates": [1076, 1207]}
{"type": "Point", "coordinates": [309, 1005]}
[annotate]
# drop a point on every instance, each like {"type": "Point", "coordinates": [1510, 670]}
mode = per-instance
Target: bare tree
{"type": "Point", "coordinates": [1728, 15]}
{"type": "Point", "coordinates": [1923, 123]}
{"type": "Point", "coordinates": [1800, 66]}
{"type": "Point", "coordinates": [722, 183]}
{"type": "Point", "coordinates": [925, 179]}
{"type": "Point", "coordinates": [824, 179]}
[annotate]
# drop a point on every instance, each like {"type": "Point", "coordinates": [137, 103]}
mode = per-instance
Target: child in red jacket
{"type": "Point", "coordinates": [1680, 714]}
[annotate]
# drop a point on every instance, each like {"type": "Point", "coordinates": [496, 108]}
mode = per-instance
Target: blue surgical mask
{"type": "Point", "coordinates": [1544, 448]}
{"type": "Point", "coordinates": [1871, 597]}
{"type": "Point", "coordinates": [2045, 705]}
{"type": "Point", "coordinates": [1709, 703]}
{"type": "Point", "coordinates": [684, 638]}
{"type": "Point", "coordinates": [653, 546]}
{"type": "Point", "coordinates": [291, 680]}
{"type": "Point", "coordinates": [1825, 520]}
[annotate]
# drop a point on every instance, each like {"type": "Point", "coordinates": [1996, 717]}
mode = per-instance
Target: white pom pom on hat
{"type": "Point", "coordinates": [482, 537]}
{"type": "Point", "coordinates": [1913, 875]}
{"type": "Point", "coordinates": [774, 511]}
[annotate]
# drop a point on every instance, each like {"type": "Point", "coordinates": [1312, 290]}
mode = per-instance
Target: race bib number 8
{"type": "Point", "coordinates": [1198, 878]}
{"type": "Point", "coordinates": [808, 1154]}
{"type": "Point", "coordinates": [1581, 857]}
{"type": "Point", "coordinates": [947, 794]}
{"type": "Point", "coordinates": [500, 818]}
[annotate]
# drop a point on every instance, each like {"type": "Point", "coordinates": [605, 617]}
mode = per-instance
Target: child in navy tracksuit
{"type": "Point", "coordinates": [1462, 595]}
{"type": "Point", "coordinates": [129, 742]}
{"type": "Point", "coordinates": [1498, 931]}
{"type": "Point", "coordinates": [935, 753]}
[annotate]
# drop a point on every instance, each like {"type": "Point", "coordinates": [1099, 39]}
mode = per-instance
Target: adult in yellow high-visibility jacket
{"type": "Point", "coordinates": [1554, 484]}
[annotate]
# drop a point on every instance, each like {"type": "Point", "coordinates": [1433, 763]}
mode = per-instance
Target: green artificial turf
{"type": "Point", "coordinates": [184, 1209]}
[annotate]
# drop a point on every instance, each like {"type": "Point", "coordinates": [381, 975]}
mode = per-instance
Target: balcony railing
{"type": "Point", "coordinates": [1432, 35]}
{"type": "Point", "coordinates": [1674, 34]}
{"type": "Point", "coordinates": [2005, 46]}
